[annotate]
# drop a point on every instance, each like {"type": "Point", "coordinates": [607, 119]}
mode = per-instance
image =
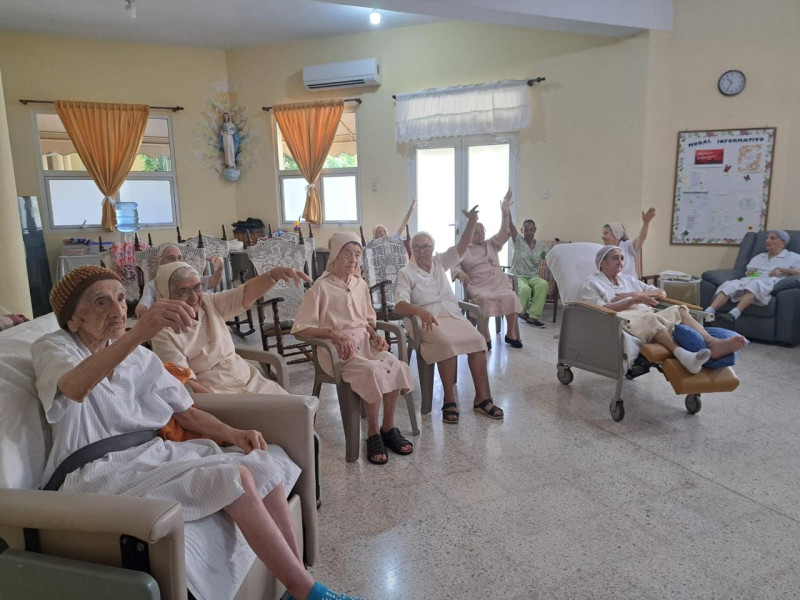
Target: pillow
{"type": "Point", "coordinates": [24, 434]}
{"type": "Point", "coordinates": [571, 265]}
{"type": "Point", "coordinates": [691, 340]}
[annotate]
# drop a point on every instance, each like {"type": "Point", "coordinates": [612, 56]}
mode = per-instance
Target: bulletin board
{"type": "Point", "coordinates": [722, 183]}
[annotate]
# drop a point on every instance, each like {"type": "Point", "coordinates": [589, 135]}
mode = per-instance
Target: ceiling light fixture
{"type": "Point", "coordinates": [130, 8]}
{"type": "Point", "coordinates": [375, 17]}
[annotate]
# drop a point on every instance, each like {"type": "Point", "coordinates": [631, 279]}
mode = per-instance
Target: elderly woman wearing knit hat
{"type": "Point", "coordinates": [338, 307]}
{"type": "Point", "coordinates": [614, 234]}
{"type": "Point", "coordinates": [763, 272]}
{"type": "Point", "coordinates": [633, 301]}
{"type": "Point", "coordinates": [207, 350]}
{"type": "Point", "coordinates": [97, 383]}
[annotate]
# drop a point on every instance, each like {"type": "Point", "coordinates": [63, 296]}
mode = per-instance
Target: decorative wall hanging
{"type": "Point", "coordinates": [722, 183]}
{"type": "Point", "coordinates": [224, 140]}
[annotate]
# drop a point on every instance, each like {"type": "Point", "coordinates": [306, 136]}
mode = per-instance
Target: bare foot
{"type": "Point", "coordinates": [723, 347]}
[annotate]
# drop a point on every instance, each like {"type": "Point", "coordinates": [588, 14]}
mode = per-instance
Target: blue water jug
{"type": "Point", "coordinates": [127, 217]}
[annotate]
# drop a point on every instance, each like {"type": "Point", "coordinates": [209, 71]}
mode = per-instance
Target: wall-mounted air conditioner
{"type": "Point", "coordinates": [353, 73]}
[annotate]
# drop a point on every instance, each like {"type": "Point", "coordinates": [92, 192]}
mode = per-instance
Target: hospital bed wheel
{"type": "Point", "coordinates": [565, 375]}
{"type": "Point", "coordinates": [693, 404]}
{"type": "Point", "coordinates": [617, 410]}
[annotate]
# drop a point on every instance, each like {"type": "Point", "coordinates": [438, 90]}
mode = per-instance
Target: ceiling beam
{"type": "Point", "coordinates": [613, 18]}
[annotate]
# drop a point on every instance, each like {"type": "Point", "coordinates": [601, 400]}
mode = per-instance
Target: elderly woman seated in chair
{"type": "Point", "coordinates": [97, 384]}
{"type": "Point", "coordinates": [633, 301]}
{"type": "Point", "coordinates": [489, 287]}
{"type": "Point", "coordinates": [170, 253]}
{"type": "Point", "coordinates": [207, 350]}
{"type": "Point", "coordinates": [424, 291]}
{"type": "Point", "coordinates": [763, 272]}
{"type": "Point", "coordinates": [338, 308]}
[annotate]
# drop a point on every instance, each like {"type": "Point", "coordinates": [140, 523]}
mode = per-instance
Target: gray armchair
{"type": "Point", "coordinates": [779, 321]}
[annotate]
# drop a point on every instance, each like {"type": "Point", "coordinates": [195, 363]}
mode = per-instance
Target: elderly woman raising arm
{"type": "Point", "coordinates": [338, 308]}
{"type": "Point", "coordinates": [207, 349]}
{"type": "Point", "coordinates": [633, 301]}
{"type": "Point", "coordinates": [423, 291]}
{"type": "Point", "coordinates": [97, 382]}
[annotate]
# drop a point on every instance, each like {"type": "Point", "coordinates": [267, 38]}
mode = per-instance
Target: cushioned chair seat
{"type": "Point", "coordinates": [706, 381]}
{"type": "Point", "coordinates": [655, 353]}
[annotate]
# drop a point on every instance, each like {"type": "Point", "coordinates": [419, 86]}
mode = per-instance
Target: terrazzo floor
{"type": "Point", "coordinates": [559, 501]}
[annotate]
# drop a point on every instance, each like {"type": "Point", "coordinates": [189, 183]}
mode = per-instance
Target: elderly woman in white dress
{"type": "Point", "coordinates": [423, 291]}
{"type": "Point", "coordinates": [96, 382]}
{"type": "Point", "coordinates": [338, 308]}
{"type": "Point", "coordinates": [207, 350]}
{"type": "Point", "coordinates": [614, 234]}
{"type": "Point", "coordinates": [168, 254]}
{"type": "Point", "coordinates": [763, 272]}
{"type": "Point", "coordinates": [633, 301]}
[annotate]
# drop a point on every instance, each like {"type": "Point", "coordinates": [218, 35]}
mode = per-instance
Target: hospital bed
{"type": "Point", "coordinates": [121, 530]}
{"type": "Point", "coordinates": [592, 339]}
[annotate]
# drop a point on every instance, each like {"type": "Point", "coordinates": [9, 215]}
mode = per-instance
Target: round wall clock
{"type": "Point", "coordinates": [731, 82]}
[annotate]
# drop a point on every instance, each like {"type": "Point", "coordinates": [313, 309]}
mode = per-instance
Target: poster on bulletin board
{"type": "Point", "coordinates": [722, 182]}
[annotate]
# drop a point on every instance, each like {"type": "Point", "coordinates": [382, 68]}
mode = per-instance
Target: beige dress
{"type": "Point", "coordinates": [489, 287]}
{"type": "Point", "coordinates": [346, 307]}
{"type": "Point", "coordinates": [454, 335]}
{"type": "Point", "coordinates": [208, 350]}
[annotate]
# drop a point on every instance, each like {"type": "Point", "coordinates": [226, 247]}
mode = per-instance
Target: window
{"type": "Point", "coordinates": [73, 199]}
{"type": "Point", "coordinates": [337, 186]}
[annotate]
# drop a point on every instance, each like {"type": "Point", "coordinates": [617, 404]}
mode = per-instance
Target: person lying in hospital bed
{"type": "Point", "coordinates": [633, 301]}
{"type": "Point", "coordinates": [95, 381]}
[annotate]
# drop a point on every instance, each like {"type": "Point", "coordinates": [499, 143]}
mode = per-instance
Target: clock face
{"type": "Point", "coordinates": [731, 82]}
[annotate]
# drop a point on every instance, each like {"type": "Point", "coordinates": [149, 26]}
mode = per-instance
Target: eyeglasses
{"type": "Point", "coordinates": [186, 292]}
{"type": "Point", "coordinates": [347, 254]}
{"type": "Point", "coordinates": [423, 248]}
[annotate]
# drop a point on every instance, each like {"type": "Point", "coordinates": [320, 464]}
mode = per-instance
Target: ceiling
{"type": "Point", "coordinates": [241, 23]}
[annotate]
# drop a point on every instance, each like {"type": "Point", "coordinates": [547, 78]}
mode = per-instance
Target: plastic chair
{"type": "Point", "coordinates": [350, 405]}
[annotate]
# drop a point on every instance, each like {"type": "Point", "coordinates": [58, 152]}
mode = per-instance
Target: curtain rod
{"type": "Point", "coordinates": [356, 100]}
{"type": "Point", "coordinates": [530, 82]}
{"type": "Point", "coordinates": [172, 108]}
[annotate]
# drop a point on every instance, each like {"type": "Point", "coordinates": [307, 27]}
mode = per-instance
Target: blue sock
{"type": "Point", "coordinates": [735, 313]}
{"type": "Point", "coordinates": [711, 310]}
{"type": "Point", "coordinates": [320, 592]}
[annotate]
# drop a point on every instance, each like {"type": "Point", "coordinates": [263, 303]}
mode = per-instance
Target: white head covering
{"type": "Point", "coordinates": [164, 273]}
{"type": "Point", "coordinates": [164, 247]}
{"type": "Point", "coordinates": [338, 241]}
{"type": "Point", "coordinates": [781, 234]}
{"type": "Point", "coordinates": [375, 230]}
{"type": "Point", "coordinates": [602, 253]}
{"type": "Point", "coordinates": [618, 230]}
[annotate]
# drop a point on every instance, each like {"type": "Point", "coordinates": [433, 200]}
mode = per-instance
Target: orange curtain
{"type": "Point", "coordinates": [309, 129]}
{"type": "Point", "coordinates": [107, 138]}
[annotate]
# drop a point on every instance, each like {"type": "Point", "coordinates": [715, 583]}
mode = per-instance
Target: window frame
{"type": "Point", "coordinates": [47, 175]}
{"type": "Point", "coordinates": [295, 174]}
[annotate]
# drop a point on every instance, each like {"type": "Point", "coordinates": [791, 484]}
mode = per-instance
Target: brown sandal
{"type": "Point", "coordinates": [495, 412]}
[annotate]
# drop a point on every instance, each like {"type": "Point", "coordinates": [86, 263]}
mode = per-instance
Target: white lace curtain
{"type": "Point", "coordinates": [463, 110]}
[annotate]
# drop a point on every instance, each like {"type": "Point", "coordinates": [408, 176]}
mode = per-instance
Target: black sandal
{"type": "Point", "coordinates": [495, 412]}
{"type": "Point", "coordinates": [375, 447]}
{"type": "Point", "coordinates": [395, 441]}
{"type": "Point", "coordinates": [450, 412]}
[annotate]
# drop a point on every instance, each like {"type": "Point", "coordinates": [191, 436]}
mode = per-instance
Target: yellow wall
{"type": "Point", "coordinates": [604, 125]}
{"type": "Point", "coordinates": [710, 37]}
{"type": "Point", "coordinates": [47, 68]}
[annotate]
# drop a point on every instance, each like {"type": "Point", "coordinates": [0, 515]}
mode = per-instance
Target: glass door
{"type": "Point", "coordinates": [437, 187]}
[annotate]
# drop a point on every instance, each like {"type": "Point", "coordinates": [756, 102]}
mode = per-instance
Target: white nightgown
{"type": "Point", "coordinates": [138, 395]}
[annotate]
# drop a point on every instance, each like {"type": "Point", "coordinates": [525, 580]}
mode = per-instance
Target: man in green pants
{"type": "Point", "coordinates": [528, 255]}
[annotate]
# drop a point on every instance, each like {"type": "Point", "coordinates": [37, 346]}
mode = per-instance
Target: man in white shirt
{"type": "Point", "coordinates": [763, 272]}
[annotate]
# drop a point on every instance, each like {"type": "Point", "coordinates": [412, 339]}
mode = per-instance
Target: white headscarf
{"type": "Point", "coordinates": [602, 253]}
{"type": "Point", "coordinates": [618, 230]}
{"type": "Point", "coordinates": [164, 273]}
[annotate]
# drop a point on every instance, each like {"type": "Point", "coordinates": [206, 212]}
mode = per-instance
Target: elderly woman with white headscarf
{"type": "Point", "coordinates": [614, 234]}
{"type": "Point", "coordinates": [170, 253]}
{"type": "Point", "coordinates": [633, 301]}
{"type": "Point", "coordinates": [423, 290]}
{"type": "Point", "coordinates": [338, 307]}
{"type": "Point", "coordinates": [763, 272]}
{"type": "Point", "coordinates": [207, 350]}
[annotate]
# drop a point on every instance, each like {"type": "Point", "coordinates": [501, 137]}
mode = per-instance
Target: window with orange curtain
{"type": "Point", "coordinates": [72, 198]}
{"type": "Point", "coordinates": [338, 185]}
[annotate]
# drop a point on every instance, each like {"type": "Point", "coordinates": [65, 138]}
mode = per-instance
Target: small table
{"type": "Point", "coordinates": [682, 290]}
{"type": "Point", "coordinates": [68, 263]}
